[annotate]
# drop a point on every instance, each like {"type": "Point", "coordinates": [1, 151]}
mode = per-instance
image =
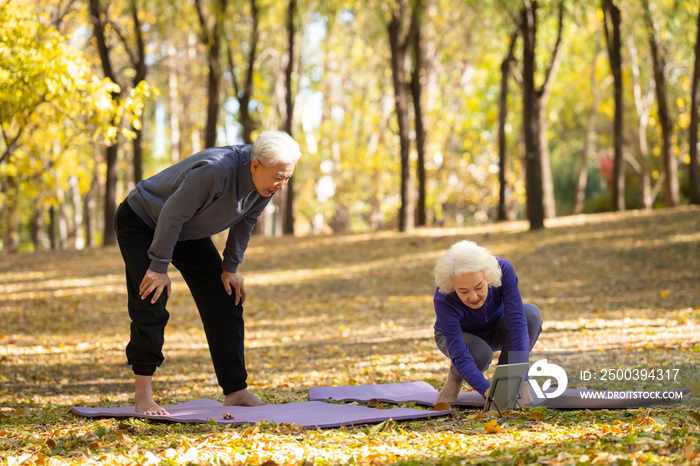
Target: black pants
{"type": "Point", "coordinates": [199, 263]}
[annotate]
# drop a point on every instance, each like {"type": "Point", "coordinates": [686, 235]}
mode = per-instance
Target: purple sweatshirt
{"type": "Point", "coordinates": [454, 317]}
{"type": "Point", "coordinates": [197, 197]}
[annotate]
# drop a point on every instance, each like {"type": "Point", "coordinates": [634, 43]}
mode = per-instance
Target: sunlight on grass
{"type": "Point", "coordinates": [345, 310]}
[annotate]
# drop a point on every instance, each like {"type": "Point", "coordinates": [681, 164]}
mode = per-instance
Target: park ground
{"type": "Point", "coordinates": [357, 309]}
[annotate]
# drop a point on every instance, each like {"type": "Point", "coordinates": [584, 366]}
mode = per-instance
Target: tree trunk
{"type": "Point", "coordinates": [139, 63]}
{"type": "Point", "coordinates": [612, 13]}
{"type": "Point", "coordinates": [244, 95]}
{"type": "Point", "coordinates": [174, 110]}
{"type": "Point", "coordinates": [76, 201]}
{"type": "Point", "coordinates": [695, 102]}
{"type": "Point", "coordinates": [212, 41]}
{"type": "Point", "coordinates": [89, 212]}
{"type": "Point", "coordinates": [502, 117]}
{"type": "Point", "coordinates": [588, 140]}
{"type": "Point", "coordinates": [62, 219]}
{"type": "Point", "coordinates": [531, 120]}
{"type": "Point", "coordinates": [110, 207]}
{"type": "Point", "coordinates": [11, 216]}
{"type": "Point", "coordinates": [37, 222]}
{"type": "Point", "coordinates": [416, 91]}
{"type": "Point", "coordinates": [398, 69]}
{"type": "Point", "coordinates": [288, 224]}
{"type": "Point", "coordinates": [643, 105]}
{"type": "Point", "coordinates": [671, 189]}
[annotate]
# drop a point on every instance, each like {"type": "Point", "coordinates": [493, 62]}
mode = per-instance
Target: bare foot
{"type": "Point", "coordinates": [242, 398]}
{"type": "Point", "coordinates": [450, 391]}
{"type": "Point", "coordinates": [526, 394]}
{"type": "Point", "coordinates": [143, 398]}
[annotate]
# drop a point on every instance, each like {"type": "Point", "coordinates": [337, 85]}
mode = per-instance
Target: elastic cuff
{"type": "Point", "coordinates": [146, 370]}
{"type": "Point", "coordinates": [234, 388]}
{"type": "Point", "coordinates": [229, 266]}
{"type": "Point", "coordinates": [159, 267]}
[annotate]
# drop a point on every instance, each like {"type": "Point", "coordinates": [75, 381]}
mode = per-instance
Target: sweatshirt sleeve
{"type": "Point", "coordinates": [201, 184]}
{"type": "Point", "coordinates": [448, 323]}
{"type": "Point", "coordinates": [239, 235]}
{"type": "Point", "coordinates": [516, 323]}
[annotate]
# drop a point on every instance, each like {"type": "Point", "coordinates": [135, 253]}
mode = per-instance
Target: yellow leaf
{"type": "Point", "coordinates": [442, 406]}
{"type": "Point", "coordinates": [493, 427]}
{"type": "Point", "coordinates": [662, 294]}
{"type": "Point", "coordinates": [536, 416]}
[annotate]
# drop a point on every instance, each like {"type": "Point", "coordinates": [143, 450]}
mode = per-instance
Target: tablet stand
{"type": "Point", "coordinates": [515, 401]}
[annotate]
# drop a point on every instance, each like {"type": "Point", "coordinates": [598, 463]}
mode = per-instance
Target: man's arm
{"type": "Point", "coordinates": [199, 187]}
{"type": "Point", "coordinates": [236, 244]}
{"type": "Point", "coordinates": [239, 236]}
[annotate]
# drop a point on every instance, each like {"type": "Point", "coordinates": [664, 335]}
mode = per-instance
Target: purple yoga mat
{"type": "Point", "coordinates": [305, 413]}
{"type": "Point", "coordinates": [424, 394]}
{"type": "Point", "coordinates": [421, 393]}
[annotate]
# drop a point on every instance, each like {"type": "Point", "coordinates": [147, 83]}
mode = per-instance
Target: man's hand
{"type": "Point", "coordinates": [486, 394]}
{"type": "Point", "coordinates": [154, 281]}
{"type": "Point", "coordinates": [236, 281]}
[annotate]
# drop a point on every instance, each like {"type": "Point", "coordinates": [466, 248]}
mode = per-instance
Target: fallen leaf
{"type": "Point", "coordinates": [50, 443]}
{"type": "Point", "coordinates": [492, 427]}
{"type": "Point", "coordinates": [373, 403]}
{"type": "Point", "coordinates": [442, 406]}
{"type": "Point", "coordinates": [228, 416]}
{"type": "Point", "coordinates": [123, 441]}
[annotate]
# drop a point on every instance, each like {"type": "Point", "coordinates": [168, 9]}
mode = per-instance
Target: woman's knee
{"type": "Point", "coordinates": [532, 314]}
{"type": "Point", "coordinates": [480, 350]}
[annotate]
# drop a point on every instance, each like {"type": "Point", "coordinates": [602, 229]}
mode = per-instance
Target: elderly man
{"type": "Point", "coordinates": [170, 217]}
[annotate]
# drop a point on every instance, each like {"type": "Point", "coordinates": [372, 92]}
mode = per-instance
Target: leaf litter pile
{"type": "Point", "coordinates": [357, 309]}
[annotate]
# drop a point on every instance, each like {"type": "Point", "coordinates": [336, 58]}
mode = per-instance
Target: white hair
{"type": "Point", "coordinates": [273, 147]}
{"type": "Point", "coordinates": [462, 258]}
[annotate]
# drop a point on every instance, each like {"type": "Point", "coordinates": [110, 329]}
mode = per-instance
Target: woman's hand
{"type": "Point", "coordinates": [236, 281]}
{"type": "Point", "coordinates": [154, 281]}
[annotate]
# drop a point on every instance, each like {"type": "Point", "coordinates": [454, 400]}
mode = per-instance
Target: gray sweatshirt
{"type": "Point", "coordinates": [200, 196]}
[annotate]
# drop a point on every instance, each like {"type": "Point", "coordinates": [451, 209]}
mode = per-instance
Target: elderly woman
{"type": "Point", "coordinates": [479, 310]}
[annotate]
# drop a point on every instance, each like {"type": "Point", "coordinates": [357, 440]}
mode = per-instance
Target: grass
{"type": "Point", "coordinates": [357, 309]}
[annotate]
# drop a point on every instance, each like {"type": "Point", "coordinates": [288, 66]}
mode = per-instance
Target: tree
{"type": "Point", "coordinates": [693, 129]}
{"type": "Point", "coordinates": [643, 104]}
{"type": "Point", "coordinates": [502, 116]}
{"type": "Point", "coordinates": [416, 93]}
{"type": "Point", "coordinates": [533, 100]}
{"type": "Point", "coordinates": [288, 225]}
{"type": "Point", "coordinates": [210, 36]}
{"type": "Point", "coordinates": [244, 92]}
{"type": "Point", "coordinates": [671, 188]}
{"type": "Point", "coordinates": [612, 14]}
{"type": "Point", "coordinates": [137, 57]}
{"type": "Point", "coordinates": [99, 21]}
{"type": "Point", "coordinates": [399, 42]}
{"type": "Point", "coordinates": [49, 100]}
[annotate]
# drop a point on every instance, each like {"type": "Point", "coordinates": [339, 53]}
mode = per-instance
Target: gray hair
{"type": "Point", "coordinates": [273, 147]}
{"type": "Point", "coordinates": [462, 258]}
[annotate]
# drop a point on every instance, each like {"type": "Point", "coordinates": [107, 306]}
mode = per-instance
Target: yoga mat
{"type": "Point", "coordinates": [304, 413]}
{"type": "Point", "coordinates": [424, 394]}
{"type": "Point", "coordinates": [421, 393]}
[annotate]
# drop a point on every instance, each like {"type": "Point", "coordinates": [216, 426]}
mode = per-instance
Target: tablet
{"type": "Point", "coordinates": [506, 383]}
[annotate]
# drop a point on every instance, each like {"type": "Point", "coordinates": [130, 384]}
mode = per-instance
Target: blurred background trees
{"type": "Point", "coordinates": [408, 112]}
